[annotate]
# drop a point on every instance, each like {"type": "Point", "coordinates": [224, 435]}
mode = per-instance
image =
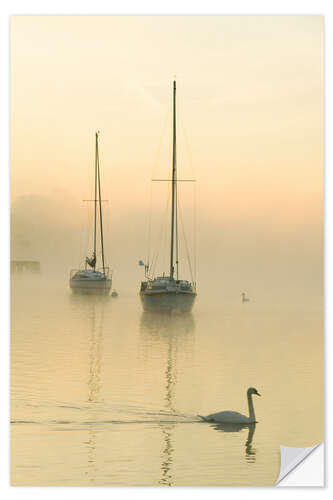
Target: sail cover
{"type": "Point", "coordinates": [91, 261]}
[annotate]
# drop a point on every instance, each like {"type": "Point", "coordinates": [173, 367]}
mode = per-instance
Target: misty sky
{"type": "Point", "coordinates": [250, 129]}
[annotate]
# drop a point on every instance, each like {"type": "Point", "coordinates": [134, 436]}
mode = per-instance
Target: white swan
{"type": "Point", "coordinates": [233, 417]}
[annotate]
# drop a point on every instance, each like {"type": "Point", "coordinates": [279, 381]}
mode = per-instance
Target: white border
{"type": "Point", "coordinates": [7, 8]}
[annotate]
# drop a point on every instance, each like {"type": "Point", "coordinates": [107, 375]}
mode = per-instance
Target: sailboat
{"type": "Point", "coordinates": [168, 292]}
{"type": "Point", "coordinates": [93, 280]}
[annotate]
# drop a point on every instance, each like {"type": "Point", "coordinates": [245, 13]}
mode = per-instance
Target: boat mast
{"type": "Point", "coordinates": [95, 198]}
{"type": "Point", "coordinates": [174, 187]}
{"type": "Point", "coordinates": [100, 202]}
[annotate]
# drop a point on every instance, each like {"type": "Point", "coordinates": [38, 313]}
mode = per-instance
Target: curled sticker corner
{"type": "Point", "coordinates": [291, 458]}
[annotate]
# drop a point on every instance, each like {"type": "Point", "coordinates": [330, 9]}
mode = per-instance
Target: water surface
{"type": "Point", "coordinates": [104, 394]}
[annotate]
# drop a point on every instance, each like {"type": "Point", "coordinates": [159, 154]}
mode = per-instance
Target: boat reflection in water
{"type": "Point", "coordinates": [160, 333]}
{"type": "Point", "coordinates": [250, 452]}
{"type": "Point", "coordinates": [92, 309]}
{"type": "Point", "coordinates": [94, 379]}
{"type": "Point", "coordinates": [95, 353]}
{"type": "Point", "coordinates": [167, 325]}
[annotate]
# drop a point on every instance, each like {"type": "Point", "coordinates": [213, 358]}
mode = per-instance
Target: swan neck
{"type": "Point", "coordinates": [251, 408]}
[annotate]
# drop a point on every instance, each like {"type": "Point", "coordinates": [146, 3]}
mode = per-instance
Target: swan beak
{"type": "Point", "coordinates": [258, 394]}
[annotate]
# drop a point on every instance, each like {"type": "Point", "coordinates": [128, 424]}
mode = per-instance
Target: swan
{"type": "Point", "coordinates": [233, 417]}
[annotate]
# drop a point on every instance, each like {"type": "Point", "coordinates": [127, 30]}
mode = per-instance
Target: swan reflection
{"type": "Point", "coordinates": [250, 452]}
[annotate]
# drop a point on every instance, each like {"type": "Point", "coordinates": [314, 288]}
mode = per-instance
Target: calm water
{"type": "Point", "coordinates": [104, 394]}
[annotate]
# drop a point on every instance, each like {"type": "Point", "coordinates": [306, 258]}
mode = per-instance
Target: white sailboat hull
{"type": "Point", "coordinates": [98, 287]}
{"type": "Point", "coordinates": [90, 282]}
{"type": "Point", "coordinates": [167, 301]}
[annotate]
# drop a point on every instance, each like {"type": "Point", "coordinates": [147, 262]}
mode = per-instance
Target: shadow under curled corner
{"type": "Point", "coordinates": [302, 466]}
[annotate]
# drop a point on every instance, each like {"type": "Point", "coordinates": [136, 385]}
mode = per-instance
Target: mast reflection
{"type": "Point", "coordinates": [171, 331]}
{"type": "Point", "coordinates": [95, 354]}
{"type": "Point", "coordinates": [96, 319]}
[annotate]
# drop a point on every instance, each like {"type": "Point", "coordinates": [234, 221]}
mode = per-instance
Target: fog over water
{"type": "Point", "coordinates": [275, 265]}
